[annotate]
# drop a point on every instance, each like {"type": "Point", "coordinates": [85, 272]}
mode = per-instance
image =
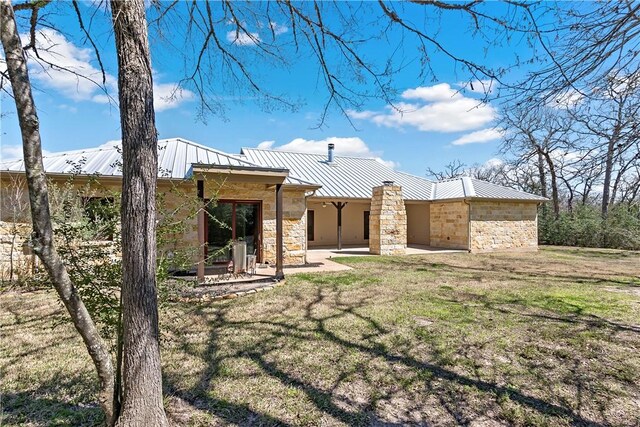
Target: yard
{"type": "Point", "coordinates": [551, 338]}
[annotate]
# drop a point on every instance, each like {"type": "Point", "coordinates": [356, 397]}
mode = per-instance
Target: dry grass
{"type": "Point", "coordinates": [550, 338]}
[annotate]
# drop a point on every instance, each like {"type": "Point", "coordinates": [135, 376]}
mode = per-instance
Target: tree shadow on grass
{"type": "Point", "coordinates": [39, 406]}
{"type": "Point", "coordinates": [450, 387]}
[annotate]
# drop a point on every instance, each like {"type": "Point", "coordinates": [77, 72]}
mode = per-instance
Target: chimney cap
{"type": "Point", "coordinates": [388, 182]}
{"type": "Point", "coordinates": [332, 145]}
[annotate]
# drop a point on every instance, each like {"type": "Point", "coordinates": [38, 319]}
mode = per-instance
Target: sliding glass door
{"type": "Point", "coordinates": [233, 220]}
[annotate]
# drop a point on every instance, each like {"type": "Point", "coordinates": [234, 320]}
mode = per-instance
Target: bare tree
{"type": "Point", "coordinates": [585, 46]}
{"type": "Point", "coordinates": [454, 169]}
{"type": "Point", "coordinates": [142, 403]}
{"type": "Point", "coordinates": [538, 135]}
{"type": "Point", "coordinates": [42, 237]}
{"type": "Point", "coordinates": [609, 127]}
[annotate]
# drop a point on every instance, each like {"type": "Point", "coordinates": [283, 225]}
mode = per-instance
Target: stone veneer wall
{"type": "Point", "coordinates": [503, 225]}
{"type": "Point", "coordinates": [387, 221]}
{"type": "Point", "coordinates": [177, 202]}
{"type": "Point", "coordinates": [13, 261]}
{"type": "Point", "coordinates": [449, 225]}
{"type": "Point", "coordinates": [294, 226]}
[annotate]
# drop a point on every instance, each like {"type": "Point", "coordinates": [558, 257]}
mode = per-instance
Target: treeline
{"type": "Point", "coordinates": [582, 151]}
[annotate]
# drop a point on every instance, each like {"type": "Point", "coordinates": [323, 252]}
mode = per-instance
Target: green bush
{"type": "Point", "coordinates": [585, 227]}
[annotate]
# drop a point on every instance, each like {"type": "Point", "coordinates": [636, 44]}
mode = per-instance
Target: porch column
{"type": "Point", "coordinates": [201, 236]}
{"type": "Point", "coordinates": [387, 221]}
{"type": "Point", "coordinates": [279, 241]}
{"type": "Point", "coordinates": [339, 207]}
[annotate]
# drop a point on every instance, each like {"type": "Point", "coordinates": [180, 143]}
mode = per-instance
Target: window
{"type": "Point", "coordinates": [311, 216]}
{"type": "Point", "coordinates": [232, 220]}
{"type": "Point", "coordinates": [366, 225]}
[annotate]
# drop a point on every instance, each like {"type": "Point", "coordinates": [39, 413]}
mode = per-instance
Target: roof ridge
{"type": "Point", "coordinates": [414, 176]}
{"type": "Point", "coordinates": [309, 154]}
{"type": "Point", "coordinates": [451, 179]}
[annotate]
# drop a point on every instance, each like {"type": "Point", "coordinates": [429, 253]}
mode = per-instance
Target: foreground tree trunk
{"type": "Point", "coordinates": [141, 374]}
{"type": "Point", "coordinates": [42, 236]}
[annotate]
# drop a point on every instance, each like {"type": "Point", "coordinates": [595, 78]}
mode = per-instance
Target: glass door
{"type": "Point", "coordinates": [232, 220]}
{"type": "Point", "coordinates": [247, 225]}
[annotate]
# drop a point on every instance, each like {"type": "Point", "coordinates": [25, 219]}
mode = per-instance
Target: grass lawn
{"type": "Point", "coordinates": [548, 338]}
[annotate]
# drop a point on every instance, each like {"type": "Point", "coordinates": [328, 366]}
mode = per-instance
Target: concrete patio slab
{"type": "Point", "coordinates": [325, 254]}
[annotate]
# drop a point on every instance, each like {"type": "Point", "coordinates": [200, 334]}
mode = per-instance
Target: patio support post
{"type": "Point", "coordinates": [201, 236]}
{"type": "Point", "coordinates": [339, 207]}
{"type": "Point", "coordinates": [279, 241]}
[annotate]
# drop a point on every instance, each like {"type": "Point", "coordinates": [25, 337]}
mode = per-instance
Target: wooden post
{"type": "Point", "coordinates": [201, 236]}
{"type": "Point", "coordinates": [339, 207]}
{"type": "Point", "coordinates": [279, 240]}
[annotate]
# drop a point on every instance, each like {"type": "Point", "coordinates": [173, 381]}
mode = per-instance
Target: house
{"type": "Point", "coordinates": [282, 203]}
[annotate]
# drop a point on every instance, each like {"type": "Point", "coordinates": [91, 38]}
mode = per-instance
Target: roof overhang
{"type": "Point", "coordinates": [241, 173]}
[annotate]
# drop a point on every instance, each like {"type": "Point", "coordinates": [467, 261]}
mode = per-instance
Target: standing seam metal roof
{"type": "Point", "coordinates": [354, 177]}
{"type": "Point", "coordinates": [175, 157]}
{"type": "Point", "coordinates": [347, 177]}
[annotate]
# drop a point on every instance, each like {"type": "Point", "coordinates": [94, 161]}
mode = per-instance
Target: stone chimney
{"type": "Point", "coordinates": [387, 221]}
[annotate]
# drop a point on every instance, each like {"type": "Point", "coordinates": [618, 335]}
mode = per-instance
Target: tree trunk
{"type": "Point", "coordinates": [571, 195]}
{"type": "Point", "coordinates": [141, 372]}
{"type": "Point", "coordinates": [542, 174]}
{"type": "Point", "coordinates": [608, 171]}
{"type": "Point", "coordinates": [554, 184]}
{"type": "Point", "coordinates": [42, 236]}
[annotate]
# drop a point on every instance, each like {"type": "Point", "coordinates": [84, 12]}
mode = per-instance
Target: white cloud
{"type": "Point", "coordinates": [74, 76]}
{"type": "Point", "coordinates": [350, 146]}
{"type": "Point", "coordinates": [493, 162]}
{"type": "Point", "coordinates": [278, 29]}
{"type": "Point", "coordinates": [440, 92]}
{"type": "Point", "coordinates": [169, 95]}
{"type": "Point", "coordinates": [9, 152]}
{"type": "Point", "coordinates": [479, 136]}
{"type": "Point", "coordinates": [266, 145]}
{"type": "Point", "coordinates": [442, 109]}
{"type": "Point", "coordinates": [242, 38]}
{"type": "Point", "coordinates": [568, 99]}
{"type": "Point", "coordinates": [360, 114]}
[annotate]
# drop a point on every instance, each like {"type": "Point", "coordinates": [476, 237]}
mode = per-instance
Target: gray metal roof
{"type": "Point", "coordinates": [354, 177]}
{"type": "Point", "coordinates": [346, 177]}
{"type": "Point", "coordinates": [175, 157]}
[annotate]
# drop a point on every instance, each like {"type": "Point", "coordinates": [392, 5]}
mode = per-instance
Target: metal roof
{"type": "Point", "coordinates": [469, 188]}
{"type": "Point", "coordinates": [354, 177]}
{"type": "Point", "coordinates": [346, 177]}
{"type": "Point", "coordinates": [175, 159]}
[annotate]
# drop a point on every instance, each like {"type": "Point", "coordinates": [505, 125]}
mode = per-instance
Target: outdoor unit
{"type": "Point", "coordinates": [239, 250]}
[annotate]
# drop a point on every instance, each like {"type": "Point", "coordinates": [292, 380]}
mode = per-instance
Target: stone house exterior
{"type": "Point", "coordinates": [282, 204]}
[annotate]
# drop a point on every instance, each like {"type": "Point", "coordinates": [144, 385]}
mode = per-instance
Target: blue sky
{"type": "Point", "coordinates": [442, 120]}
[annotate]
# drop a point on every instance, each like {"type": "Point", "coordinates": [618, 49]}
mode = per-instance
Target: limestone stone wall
{"type": "Point", "coordinates": [503, 225]}
{"type": "Point", "coordinates": [387, 221]}
{"type": "Point", "coordinates": [294, 217]}
{"type": "Point", "coordinates": [449, 225]}
{"type": "Point", "coordinates": [179, 200]}
{"type": "Point", "coordinates": [15, 262]}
